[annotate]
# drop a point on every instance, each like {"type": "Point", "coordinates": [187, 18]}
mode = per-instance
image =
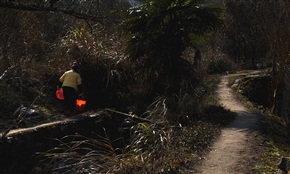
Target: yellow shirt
{"type": "Point", "coordinates": [71, 79]}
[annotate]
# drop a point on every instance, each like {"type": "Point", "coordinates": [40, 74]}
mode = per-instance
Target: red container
{"type": "Point", "coordinates": [59, 94]}
{"type": "Point", "coordinates": [80, 105]}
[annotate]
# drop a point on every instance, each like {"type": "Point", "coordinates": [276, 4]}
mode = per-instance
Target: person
{"type": "Point", "coordinates": [71, 84]}
{"type": "Point", "coordinates": [197, 57]}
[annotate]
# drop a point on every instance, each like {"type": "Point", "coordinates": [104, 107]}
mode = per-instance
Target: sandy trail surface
{"type": "Point", "coordinates": [234, 150]}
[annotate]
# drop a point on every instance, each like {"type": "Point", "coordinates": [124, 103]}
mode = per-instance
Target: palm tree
{"type": "Point", "coordinates": [160, 30]}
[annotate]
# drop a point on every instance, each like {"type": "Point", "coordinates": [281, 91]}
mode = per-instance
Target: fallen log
{"type": "Point", "coordinates": [18, 147]}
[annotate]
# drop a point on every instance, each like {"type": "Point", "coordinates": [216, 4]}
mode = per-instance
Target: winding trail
{"type": "Point", "coordinates": [233, 151]}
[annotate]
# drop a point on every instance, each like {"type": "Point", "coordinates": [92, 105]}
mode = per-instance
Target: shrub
{"type": "Point", "coordinates": [219, 66]}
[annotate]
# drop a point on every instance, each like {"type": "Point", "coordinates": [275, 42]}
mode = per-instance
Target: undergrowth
{"type": "Point", "coordinates": [164, 144]}
{"type": "Point", "coordinates": [152, 150]}
{"type": "Point", "coordinates": [276, 145]}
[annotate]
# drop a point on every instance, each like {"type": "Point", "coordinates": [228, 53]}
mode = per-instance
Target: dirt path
{"type": "Point", "coordinates": [235, 150]}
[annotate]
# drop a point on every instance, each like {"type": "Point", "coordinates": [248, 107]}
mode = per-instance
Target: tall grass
{"type": "Point", "coordinates": [77, 154]}
{"type": "Point", "coordinates": [161, 145]}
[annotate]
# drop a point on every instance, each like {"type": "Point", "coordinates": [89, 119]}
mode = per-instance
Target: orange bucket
{"type": "Point", "coordinates": [80, 105]}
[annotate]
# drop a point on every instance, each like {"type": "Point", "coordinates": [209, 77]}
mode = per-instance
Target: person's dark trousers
{"type": "Point", "coordinates": [69, 99]}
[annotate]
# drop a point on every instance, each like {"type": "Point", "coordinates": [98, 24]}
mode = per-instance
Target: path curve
{"type": "Point", "coordinates": [233, 150]}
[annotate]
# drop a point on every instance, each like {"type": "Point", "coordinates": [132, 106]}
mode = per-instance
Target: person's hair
{"type": "Point", "coordinates": [75, 67]}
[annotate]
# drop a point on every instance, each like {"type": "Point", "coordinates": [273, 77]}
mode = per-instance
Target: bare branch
{"type": "Point", "coordinates": [19, 6]}
{"type": "Point", "coordinates": [5, 72]}
{"type": "Point", "coordinates": [51, 8]}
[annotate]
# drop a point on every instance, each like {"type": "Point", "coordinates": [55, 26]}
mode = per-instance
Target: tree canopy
{"type": "Point", "coordinates": [158, 32]}
{"type": "Point", "coordinates": [165, 28]}
{"type": "Point", "coordinates": [88, 10]}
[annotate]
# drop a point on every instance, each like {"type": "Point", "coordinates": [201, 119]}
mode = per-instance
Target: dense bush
{"type": "Point", "coordinates": [219, 66]}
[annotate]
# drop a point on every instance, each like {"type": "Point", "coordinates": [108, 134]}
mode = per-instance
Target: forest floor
{"type": "Point", "coordinates": [238, 149]}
